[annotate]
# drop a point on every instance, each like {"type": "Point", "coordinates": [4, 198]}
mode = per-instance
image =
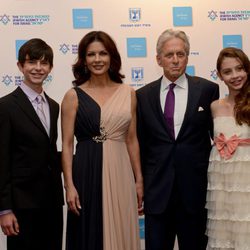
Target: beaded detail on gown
{"type": "Point", "coordinates": [228, 196]}
{"type": "Point", "coordinates": [103, 176]}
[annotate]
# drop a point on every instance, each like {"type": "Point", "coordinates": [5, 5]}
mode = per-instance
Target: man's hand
{"type": "Point", "coordinates": [9, 224]}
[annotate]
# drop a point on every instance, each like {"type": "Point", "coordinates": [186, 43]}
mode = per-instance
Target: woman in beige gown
{"type": "Point", "coordinates": [103, 182]}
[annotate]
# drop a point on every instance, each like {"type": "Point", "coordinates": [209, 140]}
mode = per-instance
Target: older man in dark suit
{"type": "Point", "coordinates": [31, 195]}
{"type": "Point", "coordinates": [174, 129]}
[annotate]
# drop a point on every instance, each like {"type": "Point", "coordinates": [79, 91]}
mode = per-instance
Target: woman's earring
{"type": "Point", "coordinates": [86, 70]}
{"type": "Point", "coordinates": [111, 70]}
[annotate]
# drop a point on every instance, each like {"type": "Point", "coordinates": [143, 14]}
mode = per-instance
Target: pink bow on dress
{"type": "Point", "coordinates": [227, 147]}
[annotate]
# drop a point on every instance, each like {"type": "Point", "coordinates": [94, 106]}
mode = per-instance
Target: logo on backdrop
{"type": "Point", "coordinates": [229, 15]}
{"type": "Point", "coordinates": [30, 19]}
{"type": "Point", "coordinates": [4, 19]}
{"type": "Point", "coordinates": [190, 70]}
{"type": "Point", "coordinates": [21, 20]}
{"type": "Point", "coordinates": [17, 80]}
{"type": "Point", "coordinates": [64, 48]}
{"type": "Point", "coordinates": [194, 53]}
{"type": "Point", "coordinates": [134, 18]}
{"type": "Point", "coordinates": [82, 18]}
{"type": "Point", "coordinates": [136, 47]}
{"type": "Point", "coordinates": [232, 41]}
{"type": "Point", "coordinates": [212, 15]}
{"type": "Point", "coordinates": [137, 76]}
{"type": "Point", "coordinates": [68, 48]}
{"type": "Point", "coordinates": [7, 80]}
{"type": "Point", "coordinates": [134, 14]}
{"type": "Point", "coordinates": [19, 44]}
{"type": "Point", "coordinates": [12, 79]}
{"type": "Point", "coordinates": [213, 74]}
{"type": "Point", "coordinates": [182, 16]}
{"type": "Point", "coordinates": [48, 80]}
{"type": "Point", "coordinates": [142, 228]}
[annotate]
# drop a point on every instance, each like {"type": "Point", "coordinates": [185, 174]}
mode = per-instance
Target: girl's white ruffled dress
{"type": "Point", "coordinates": [228, 195]}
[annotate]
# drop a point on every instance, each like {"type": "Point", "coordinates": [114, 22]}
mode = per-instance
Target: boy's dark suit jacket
{"type": "Point", "coordinates": [30, 171]}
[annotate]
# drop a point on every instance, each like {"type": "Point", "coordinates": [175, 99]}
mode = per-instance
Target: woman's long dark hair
{"type": "Point", "coordinates": [80, 72]}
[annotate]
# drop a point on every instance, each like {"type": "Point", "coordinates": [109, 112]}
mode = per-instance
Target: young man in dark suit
{"type": "Point", "coordinates": [174, 130]}
{"type": "Point", "coordinates": [31, 194]}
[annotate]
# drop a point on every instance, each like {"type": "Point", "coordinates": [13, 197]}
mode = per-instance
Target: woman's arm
{"type": "Point", "coordinates": [134, 153]}
{"type": "Point", "coordinates": [68, 116]}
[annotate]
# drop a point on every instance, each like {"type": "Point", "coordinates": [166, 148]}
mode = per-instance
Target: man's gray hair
{"type": "Point", "coordinates": [168, 35]}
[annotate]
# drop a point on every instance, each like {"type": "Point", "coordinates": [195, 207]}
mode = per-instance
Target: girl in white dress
{"type": "Point", "coordinates": [228, 195]}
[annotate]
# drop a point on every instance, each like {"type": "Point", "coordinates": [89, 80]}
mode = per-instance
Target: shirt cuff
{"type": "Point", "coordinates": [5, 212]}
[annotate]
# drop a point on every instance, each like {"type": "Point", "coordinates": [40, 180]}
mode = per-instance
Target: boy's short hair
{"type": "Point", "coordinates": [36, 49]}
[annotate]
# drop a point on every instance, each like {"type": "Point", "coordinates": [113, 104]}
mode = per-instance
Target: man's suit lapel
{"type": "Point", "coordinates": [194, 92]}
{"type": "Point", "coordinates": [23, 102]}
{"type": "Point", "coordinates": [154, 98]}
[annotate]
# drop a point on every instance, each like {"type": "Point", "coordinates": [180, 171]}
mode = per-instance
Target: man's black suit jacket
{"type": "Point", "coordinates": [184, 159]}
{"type": "Point", "coordinates": [30, 173]}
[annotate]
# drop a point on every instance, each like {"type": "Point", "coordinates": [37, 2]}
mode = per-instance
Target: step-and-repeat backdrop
{"type": "Point", "coordinates": [135, 26]}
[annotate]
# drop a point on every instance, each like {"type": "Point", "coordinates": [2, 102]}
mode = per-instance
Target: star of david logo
{"type": "Point", "coordinates": [64, 48]}
{"type": "Point", "coordinates": [4, 19]}
{"type": "Point", "coordinates": [212, 15]}
{"type": "Point", "coordinates": [48, 79]}
{"type": "Point", "coordinates": [214, 74]}
{"type": "Point", "coordinates": [7, 80]}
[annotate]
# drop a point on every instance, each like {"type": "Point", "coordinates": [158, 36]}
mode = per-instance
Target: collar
{"type": "Point", "coordinates": [180, 82]}
{"type": "Point", "coordinates": [30, 93]}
